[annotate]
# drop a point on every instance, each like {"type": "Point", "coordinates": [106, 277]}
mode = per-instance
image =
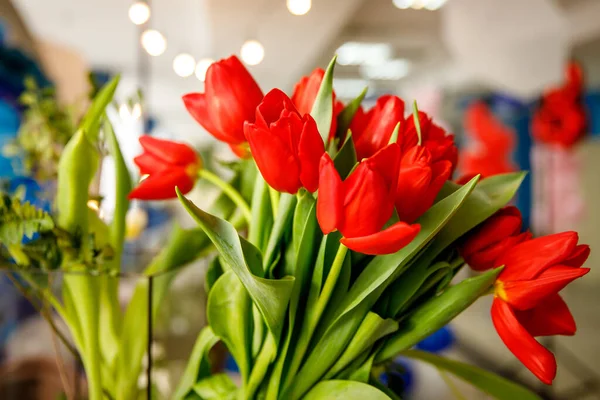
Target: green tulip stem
{"type": "Point", "coordinates": [417, 122]}
{"type": "Point", "coordinates": [330, 282]}
{"type": "Point", "coordinates": [274, 195]}
{"type": "Point", "coordinates": [233, 194]}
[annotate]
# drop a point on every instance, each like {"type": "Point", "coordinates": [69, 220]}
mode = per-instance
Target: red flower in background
{"type": "Point", "coordinates": [419, 181]}
{"type": "Point", "coordinates": [497, 235]}
{"type": "Point", "coordinates": [305, 93]}
{"type": "Point", "coordinates": [561, 117]}
{"type": "Point", "coordinates": [433, 137]}
{"type": "Point", "coordinates": [371, 131]}
{"type": "Point", "coordinates": [230, 98]}
{"type": "Point", "coordinates": [361, 205]}
{"type": "Point", "coordinates": [526, 301]}
{"type": "Point", "coordinates": [493, 143]}
{"type": "Point", "coordinates": [168, 165]}
{"type": "Point", "coordinates": [286, 146]}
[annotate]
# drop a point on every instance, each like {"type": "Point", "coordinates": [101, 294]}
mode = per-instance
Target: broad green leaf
{"type": "Point", "coordinates": [270, 296]}
{"type": "Point", "coordinates": [345, 159]}
{"type": "Point", "coordinates": [322, 110]}
{"type": "Point", "coordinates": [90, 124]}
{"type": "Point", "coordinates": [403, 290]}
{"type": "Point", "coordinates": [213, 272]}
{"type": "Point", "coordinates": [492, 384]}
{"type": "Point", "coordinates": [371, 329]}
{"type": "Point", "coordinates": [216, 387]}
{"type": "Point", "coordinates": [345, 117]}
{"type": "Point", "coordinates": [345, 390]}
{"type": "Point", "coordinates": [435, 313]}
{"type": "Point", "coordinates": [198, 367]}
{"type": "Point", "coordinates": [228, 312]}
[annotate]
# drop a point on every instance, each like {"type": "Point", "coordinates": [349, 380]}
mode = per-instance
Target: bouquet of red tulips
{"type": "Point", "coordinates": [342, 240]}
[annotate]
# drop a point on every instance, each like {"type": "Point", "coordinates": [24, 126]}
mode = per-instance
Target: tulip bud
{"type": "Point", "coordinates": [286, 146]}
{"type": "Point", "coordinates": [230, 98]}
{"type": "Point", "coordinates": [168, 165]}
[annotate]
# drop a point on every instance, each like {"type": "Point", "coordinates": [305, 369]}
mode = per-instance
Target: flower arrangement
{"type": "Point", "coordinates": [338, 242]}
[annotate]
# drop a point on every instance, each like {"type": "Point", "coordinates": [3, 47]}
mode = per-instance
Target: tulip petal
{"type": "Point", "coordinates": [506, 222]}
{"type": "Point", "coordinates": [387, 241]}
{"type": "Point", "coordinates": [305, 91]}
{"type": "Point", "coordinates": [487, 258]}
{"type": "Point", "coordinates": [329, 202]}
{"type": "Point", "coordinates": [528, 259]}
{"type": "Point", "coordinates": [161, 186]}
{"type": "Point", "coordinates": [197, 106]}
{"type": "Point", "coordinates": [524, 295]}
{"type": "Point", "coordinates": [521, 343]}
{"type": "Point", "coordinates": [550, 317]}
{"type": "Point", "coordinates": [272, 105]}
{"type": "Point", "coordinates": [149, 164]}
{"type": "Point", "coordinates": [168, 151]}
{"type": "Point", "coordinates": [383, 118]}
{"type": "Point", "coordinates": [578, 256]}
{"type": "Point", "coordinates": [274, 159]}
{"type": "Point", "coordinates": [386, 162]}
{"type": "Point", "coordinates": [310, 150]}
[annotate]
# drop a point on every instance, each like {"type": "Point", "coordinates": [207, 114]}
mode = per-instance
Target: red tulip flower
{"type": "Point", "coordinates": [168, 165]}
{"type": "Point", "coordinates": [419, 181]}
{"type": "Point", "coordinates": [433, 137]}
{"type": "Point", "coordinates": [495, 237]}
{"type": "Point", "coordinates": [230, 98]}
{"type": "Point", "coordinates": [372, 130]}
{"type": "Point", "coordinates": [526, 301]}
{"type": "Point", "coordinates": [305, 94]}
{"type": "Point", "coordinates": [286, 145]}
{"type": "Point", "coordinates": [361, 205]}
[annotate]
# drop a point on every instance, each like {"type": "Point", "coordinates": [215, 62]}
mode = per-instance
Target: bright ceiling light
{"type": "Point", "coordinates": [356, 53]}
{"type": "Point", "coordinates": [184, 65]}
{"type": "Point", "coordinates": [139, 12]}
{"type": "Point", "coordinates": [391, 70]}
{"type": "Point", "coordinates": [202, 67]}
{"type": "Point", "coordinates": [252, 52]}
{"type": "Point", "coordinates": [434, 4]}
{"type": "Point", "coordinates": [299, 7]}
{"type": "Point", "coordinates": [402, 4]}
{"type": "Point", "coordinates": [154, 42]}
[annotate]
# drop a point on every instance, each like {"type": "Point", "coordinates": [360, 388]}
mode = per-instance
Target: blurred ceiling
{"type": "Point", "coordinates": [294, 45]}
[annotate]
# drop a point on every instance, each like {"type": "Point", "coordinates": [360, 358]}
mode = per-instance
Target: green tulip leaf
{"type": "Point", "coordinates": [285, 212]}
{"type": "Point", "coordinates": [345, 390]}
{"type": "Point", "coordinates": [198, 367]}
{"type": "Point", "coordinates": [344, 119]}
{"type": "Point", "coordinates": [262, 215]}
{"type": "Point", "coordinates": [322, 110]}
{"type": "Point", "coordinates": [229, 315]}
{"type": "Point", "coordinates": [271, 296]}
{"type": "Point", "coordinates": [435, 313]}
{"type": "Point", "coordinates": [216, 387]}
{"type": "Point", "coordinates": [492, 384]}
{"type": "Point", "coordinates": [90, 123]}
{"type": "Point", "coordinates": [345, 159]}
{"type": "Point", "coordinates": [371, 330]}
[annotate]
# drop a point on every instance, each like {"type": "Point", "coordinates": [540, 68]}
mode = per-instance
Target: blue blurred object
{"type": "Point", "coordinates": [230, 364]}
{"type": "Point", "coordinates": [400, 381]}
{"type": "Point", "coordinates": [439, 341]}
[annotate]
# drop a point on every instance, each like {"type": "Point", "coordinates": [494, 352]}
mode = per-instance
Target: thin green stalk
{"type": "Point", "coordinates": [229, 190]}
{"type": "Point", "coordinates": [274, 195]}
{"type": "Point", "coordinates": [330, 282]}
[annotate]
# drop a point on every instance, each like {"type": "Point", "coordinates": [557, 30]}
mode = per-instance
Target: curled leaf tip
{"type": "Point", "coordinates": [417, 122]}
